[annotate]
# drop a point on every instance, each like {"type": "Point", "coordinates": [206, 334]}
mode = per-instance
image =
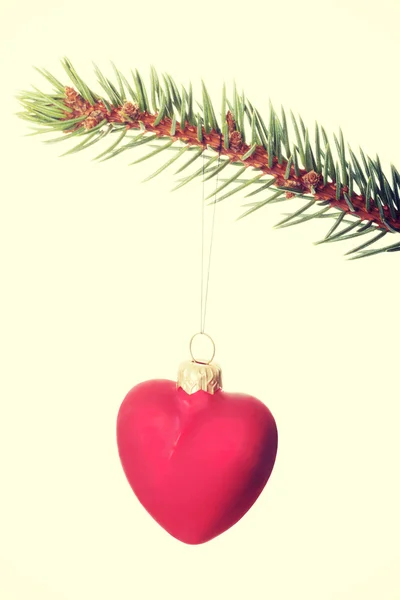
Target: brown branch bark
{"type": "Point", "coordinates": [306, 182]}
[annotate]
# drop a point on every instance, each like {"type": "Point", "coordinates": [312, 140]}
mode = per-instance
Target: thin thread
{"type": "Point", "coordinates": [210, 252]}
{"type": "Point", "coordinates": [202, 253]}
{"type": "Point", "coordinates": [204, 304]}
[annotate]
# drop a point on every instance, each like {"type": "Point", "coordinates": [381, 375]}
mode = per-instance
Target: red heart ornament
{"type": "Point", "coordinates": [197, 462]}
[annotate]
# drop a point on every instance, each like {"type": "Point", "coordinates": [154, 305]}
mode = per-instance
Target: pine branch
{"type": "Point", "coordinates": [295, 166]}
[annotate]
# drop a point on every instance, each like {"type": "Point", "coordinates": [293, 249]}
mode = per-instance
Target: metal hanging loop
{"type": "Point", "coordinates": [202, 362]}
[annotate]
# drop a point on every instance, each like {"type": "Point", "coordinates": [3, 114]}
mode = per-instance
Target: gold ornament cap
{"type": "Point", "coordinates": [195, 375]}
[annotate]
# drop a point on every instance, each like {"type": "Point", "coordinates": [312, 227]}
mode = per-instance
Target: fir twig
{"type": "Point", "coordinates": [297, 164]}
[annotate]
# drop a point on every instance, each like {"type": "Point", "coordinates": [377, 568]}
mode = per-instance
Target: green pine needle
{"type": "Point", "coordinates": [173, 105]}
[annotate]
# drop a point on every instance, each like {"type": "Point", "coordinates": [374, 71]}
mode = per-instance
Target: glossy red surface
{"type": "Point", "coordinates": [198, 462]}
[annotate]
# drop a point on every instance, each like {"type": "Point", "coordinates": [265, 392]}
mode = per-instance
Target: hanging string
{"type": "Point", "coordinates": [204, 297]}
{"type": "Point", "coordinates": [202, 251]}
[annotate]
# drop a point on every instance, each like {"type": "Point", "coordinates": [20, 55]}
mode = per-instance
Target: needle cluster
{"type": "Point", "coordinates": [290, 162]}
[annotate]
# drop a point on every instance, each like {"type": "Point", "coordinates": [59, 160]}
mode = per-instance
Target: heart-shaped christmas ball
{"type": "Point", "coordinates": [196, 457]}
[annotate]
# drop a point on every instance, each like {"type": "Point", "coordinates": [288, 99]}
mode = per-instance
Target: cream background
{"type": "Point", "coordinates": [100, 290]}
